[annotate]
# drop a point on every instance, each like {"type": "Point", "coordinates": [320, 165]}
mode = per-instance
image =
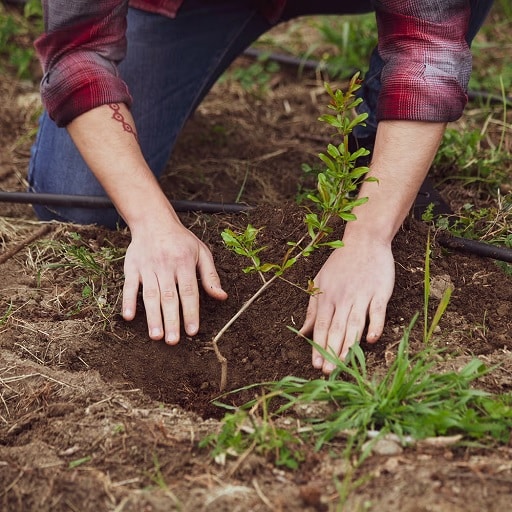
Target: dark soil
{"type": "Point", "coordinates": [95, 416]}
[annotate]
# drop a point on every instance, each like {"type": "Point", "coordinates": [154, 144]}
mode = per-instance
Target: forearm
{"type": "Point", "coordinates": [106, 137]}
{"type": "Point", "coordinates": [402, 156]}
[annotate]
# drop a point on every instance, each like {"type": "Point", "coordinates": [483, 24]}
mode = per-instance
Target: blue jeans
{"type": "Point", "coordinates": [170, 66]}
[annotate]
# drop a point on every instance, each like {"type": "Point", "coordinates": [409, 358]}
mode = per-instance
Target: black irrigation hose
{"type": "Point", "coordinates": [475, 247]}
{"type": "Point", "coordinates": [316, 65]}
{"type": "Point", "coordinates": [76, 201]}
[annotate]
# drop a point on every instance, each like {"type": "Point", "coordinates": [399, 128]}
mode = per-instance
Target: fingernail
{"type": "Point", "coordinates": [172, 337]}
{"type": "Point", "coordinates": [318, 362]}
{"type": "Point", "coordinates": [155, 332]}
{"type": "Point", "coordinates": [127, 313]}
{"type": "Point", "coordinates": [329, 367]}
{"type": "Point", "coordinates": [191, 329]}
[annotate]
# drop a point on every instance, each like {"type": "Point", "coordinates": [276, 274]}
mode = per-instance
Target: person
{"type": "Point", "coordinates": [121, 80]}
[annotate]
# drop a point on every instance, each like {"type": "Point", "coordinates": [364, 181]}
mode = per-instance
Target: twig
{"type": "Point", "coordinates": [261, 496]}
{"type": "Point", "coordinates": [17, 378]}
{"type": "Point", "coordinates": [13, 483]}
{"type": "Point", "coordinates": [241, 459]}
{"type": "Point", "coordinates": [43, 230]}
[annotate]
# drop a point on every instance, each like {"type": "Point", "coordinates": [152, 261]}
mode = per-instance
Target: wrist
{"type": "Point", "coordinates": [364, 233]}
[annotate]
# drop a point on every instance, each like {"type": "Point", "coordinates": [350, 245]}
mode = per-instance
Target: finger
{"type": "Point", "coordinates": [377, 315]}
{"type": "Point", "coordinates": [151, 297]}
{"type": "Point", "coordinates": [130, 291]}
{"type": "Point", "coordinates": [309, 321]}
{"type": "Point", "coordinates": [335, 339]}
{"type": "Point", "coordinates": [355, 327]}
{"type": "Point", "coordinates": [209, 277]}
{"type": "Point", "coordinates": [323, 320]}
{"type": "Point", "coordinates": [189, 298]}
{"type": "Point", "coordinates": [170, 310]}
{"type": "Point", "coordinates": [307, 329]}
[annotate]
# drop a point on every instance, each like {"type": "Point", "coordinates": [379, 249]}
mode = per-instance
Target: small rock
{"type": "Point", "coordinates": [386, 447]}
{"type": "Point", "coordinates": [439, 285]}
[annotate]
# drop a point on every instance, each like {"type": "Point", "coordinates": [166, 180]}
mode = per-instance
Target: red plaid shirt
{"type": "Point", "coordinates": [425, 78]}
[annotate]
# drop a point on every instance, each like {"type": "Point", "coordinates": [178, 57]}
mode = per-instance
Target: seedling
{"type": "Point", "coordinates": [334, 198]}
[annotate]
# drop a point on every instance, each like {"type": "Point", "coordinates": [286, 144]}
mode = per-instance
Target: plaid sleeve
{"type": "Point", "coordinates": [79, 51]}
{"type": "Point", "coordinates": [427, 59]}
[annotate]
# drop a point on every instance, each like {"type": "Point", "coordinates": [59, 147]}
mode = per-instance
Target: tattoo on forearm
{"type": "Point", "coordinates": [118, 116]}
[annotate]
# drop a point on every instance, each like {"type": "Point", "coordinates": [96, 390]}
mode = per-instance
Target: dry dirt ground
{"type": "Point", "coordinates": [95, 416]}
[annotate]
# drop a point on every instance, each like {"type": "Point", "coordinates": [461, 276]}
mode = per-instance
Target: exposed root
{"type": "Point", "coordinates": [223, 366]}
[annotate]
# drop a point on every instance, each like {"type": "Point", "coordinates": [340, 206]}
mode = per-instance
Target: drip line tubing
{"type": "Point", "coordinates": [476, 247]}
{"type": "Point", "coordinates": [316, 65]}
{"type": "Point", "coordinates": [79, 201]}
{"type": "Point", "coordinates": [76, 201]}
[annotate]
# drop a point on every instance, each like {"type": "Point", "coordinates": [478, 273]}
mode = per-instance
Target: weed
{"type": "Point", "coordinates": [490, 224]}
{"type": "Point", "coordinates": [94, 272]}
{"type": "Point", "coordinates": [5, 317]}
{"type": "Point", "coordinates": [16, 35]}
{"type": "Point", "coordinates": [255, 78]}
{"type": "Point", "coordinates": [464, 152]}
{"type": "Point", "coordinates": [79, 462]}
{"type": "Point", "coordinates": [491, 50]}
{"type": "Point", "coordinates": [428, 331]}
{"type": "Point", "coordinates": [246, 431]}
{"type": "Point", "coordinates": [411, 400]}
{"type": "Point", "coordinates": [352, 37]}
{"type": "Point", "coordinates": [158, 479]}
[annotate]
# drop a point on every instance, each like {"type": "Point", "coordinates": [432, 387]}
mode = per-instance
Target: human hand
{"type": "Point", "coordinates": [355, 283]}
{"type": "Point", "coordinates": [164, 262]}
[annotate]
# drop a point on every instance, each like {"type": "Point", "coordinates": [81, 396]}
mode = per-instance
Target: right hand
{"type": "Point", "coordinates": [164, 262]}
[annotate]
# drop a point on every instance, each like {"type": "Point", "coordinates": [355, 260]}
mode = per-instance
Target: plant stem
{"type": "Point", "coordinates": [222, 360]}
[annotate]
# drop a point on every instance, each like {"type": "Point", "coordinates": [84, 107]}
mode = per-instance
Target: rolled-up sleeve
{"type": "Point", "coordinates": [82, 44]}
{"type": "Point", "coordinates": [427, 60]}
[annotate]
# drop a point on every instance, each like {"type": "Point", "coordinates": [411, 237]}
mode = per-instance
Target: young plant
{"type": "Point", "coordinates": [333, 199]}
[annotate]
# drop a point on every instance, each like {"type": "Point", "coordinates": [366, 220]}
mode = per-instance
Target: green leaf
{"type": "Point", "coordinates": [336, 244]}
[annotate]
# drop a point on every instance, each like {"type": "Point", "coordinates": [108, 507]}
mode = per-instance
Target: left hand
{"type": "Point", "coordinates": [355, 284]}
